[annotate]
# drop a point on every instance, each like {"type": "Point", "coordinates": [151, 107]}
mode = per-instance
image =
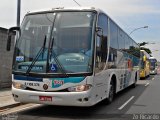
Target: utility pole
{"type": "Point", "coordinates": [18, 12]}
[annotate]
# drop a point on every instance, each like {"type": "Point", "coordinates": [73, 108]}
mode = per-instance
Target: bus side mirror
{"type": "Point", "coordinates": [144, 58]}
{"type": "Point", "coordinates": [9, 36]}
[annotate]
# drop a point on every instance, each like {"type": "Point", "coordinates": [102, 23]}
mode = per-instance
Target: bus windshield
{"type": "Point", "coordinates": [55, 43]}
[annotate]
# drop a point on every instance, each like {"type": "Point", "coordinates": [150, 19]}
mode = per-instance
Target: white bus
{"type": "Point", "coordinates": [72, 57]}
{"type": "Point", "coordinates": [153, 65]}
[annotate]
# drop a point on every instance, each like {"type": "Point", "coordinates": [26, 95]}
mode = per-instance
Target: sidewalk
{"type": "Point", "coordinates": [6, 99]}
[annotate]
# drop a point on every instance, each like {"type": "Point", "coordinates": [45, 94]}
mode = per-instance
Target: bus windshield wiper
{"type": "Point", "coordinates": [52, 53]}
{"type": "Point", "coordinates": [41, 51]}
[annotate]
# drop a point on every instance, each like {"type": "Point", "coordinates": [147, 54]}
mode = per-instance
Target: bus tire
{"type": "Point", "coordinates": [135, 82]}
{"type": "Point", "coordinates": [111, 93]}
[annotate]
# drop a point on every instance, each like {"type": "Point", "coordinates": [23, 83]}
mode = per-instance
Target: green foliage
{"type": "Point", "coordinates": [147, 50]}
{"type": "Point", "coordinates": [144, 48]}
{"type": "Point", "coordinates": [143, 43]}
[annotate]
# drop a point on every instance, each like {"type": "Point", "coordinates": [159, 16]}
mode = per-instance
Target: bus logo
{"type": "Point", "coordinates": [57, 83]}
{"type": "Point", "coordinates": [45, 86]}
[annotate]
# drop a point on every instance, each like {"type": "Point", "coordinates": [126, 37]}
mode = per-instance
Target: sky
{"type": "Point", "coordinates": [128, 14]}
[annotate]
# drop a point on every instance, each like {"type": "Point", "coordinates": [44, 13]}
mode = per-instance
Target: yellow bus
{"type": "Point", "coordinates": [145, 64]}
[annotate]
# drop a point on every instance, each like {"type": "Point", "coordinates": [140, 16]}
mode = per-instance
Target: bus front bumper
{"type": "Point", "coordinates": [53, 98]}
{"type": "Point", "coordinates": [153, 72]}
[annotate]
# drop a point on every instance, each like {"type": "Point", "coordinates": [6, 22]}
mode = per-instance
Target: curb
{"type": "Point", "coordinates": [11, 105]}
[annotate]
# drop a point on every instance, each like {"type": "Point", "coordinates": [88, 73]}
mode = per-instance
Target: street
{"type": "Point", "coordinates": [126, 105]}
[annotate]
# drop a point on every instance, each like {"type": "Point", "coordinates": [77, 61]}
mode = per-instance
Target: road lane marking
{"type": "Point", "coordinates": [146, 84]}
{"type": "Point", "coordinates": [152, 78]}
{"type": "Point", "coordinates": [120, 108]}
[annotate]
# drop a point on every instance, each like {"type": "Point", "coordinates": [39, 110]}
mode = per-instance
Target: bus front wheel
{"type": "Point", "coordinates": [111, 93]}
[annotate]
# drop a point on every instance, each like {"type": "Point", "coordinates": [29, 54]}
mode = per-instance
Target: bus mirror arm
{"type": "Point", "coordinates": [99, 31]}
{"type": "Point", "coordinates": [10, 33]}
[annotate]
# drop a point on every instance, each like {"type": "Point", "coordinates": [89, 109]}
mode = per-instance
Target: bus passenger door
{"type": "Point", "coordinates": [100, 79]}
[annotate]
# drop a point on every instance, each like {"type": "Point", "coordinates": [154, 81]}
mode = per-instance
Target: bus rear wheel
{"type": "Point", "coordinates": [135, 82]}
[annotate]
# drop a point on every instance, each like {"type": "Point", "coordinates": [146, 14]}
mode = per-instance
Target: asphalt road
{"type": "Point", "coordinates": [129, 104]}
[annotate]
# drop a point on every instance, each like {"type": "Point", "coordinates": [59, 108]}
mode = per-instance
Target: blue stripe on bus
{"type": "Point", "coordinates": [57, 82]}
{"type": "Point", "coordinates": [21, 77]}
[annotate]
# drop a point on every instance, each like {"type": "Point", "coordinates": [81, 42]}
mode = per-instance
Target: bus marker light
{"type": "Point", "coordinates": [86, 99]}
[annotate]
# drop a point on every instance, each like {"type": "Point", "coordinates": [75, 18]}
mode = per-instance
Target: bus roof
{"type": "Point", "coordinates": [68, 9]}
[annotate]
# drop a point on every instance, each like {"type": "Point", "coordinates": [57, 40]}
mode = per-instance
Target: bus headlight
{"type": "Point", "coordinates": [80, 88]}
{"type": "Point", "coordinates": [18, 85]}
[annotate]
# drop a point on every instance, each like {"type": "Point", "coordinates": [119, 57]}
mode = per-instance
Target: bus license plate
{"type": "Point", "coordinates": [45, 98]}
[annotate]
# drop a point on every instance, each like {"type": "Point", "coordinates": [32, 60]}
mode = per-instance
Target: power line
{"type": "Point", "coordinates": [77, 3]}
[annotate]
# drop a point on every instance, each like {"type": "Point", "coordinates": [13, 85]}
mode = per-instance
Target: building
{"type": "Point", "coordinates": [5, 60]}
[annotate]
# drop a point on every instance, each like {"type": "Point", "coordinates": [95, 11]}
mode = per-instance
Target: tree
{"type": "Point", "coordinates": [144, 48]}
{"type": "Point", "coordinates": [147, 50]}
{"type": "Point", "coordinates": [143, 43]}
